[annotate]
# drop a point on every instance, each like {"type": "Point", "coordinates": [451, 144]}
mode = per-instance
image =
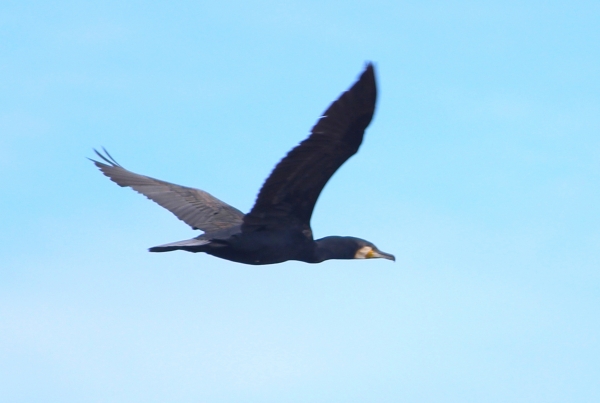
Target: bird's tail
{"type": "Point", "coordinates": [190, 245]}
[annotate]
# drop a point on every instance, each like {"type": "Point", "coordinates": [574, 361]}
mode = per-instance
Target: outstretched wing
{"type": "Point", "coordinates": [289, 194]}
{"type": "Point", "coordinates": [195, 207]}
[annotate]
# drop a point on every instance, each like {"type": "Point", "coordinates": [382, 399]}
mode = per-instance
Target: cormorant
{"type": "Point", "coordinates": [277, 228]}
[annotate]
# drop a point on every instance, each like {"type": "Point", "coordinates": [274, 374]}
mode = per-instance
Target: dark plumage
{"type": "Point", "coordinates": [278, 226]}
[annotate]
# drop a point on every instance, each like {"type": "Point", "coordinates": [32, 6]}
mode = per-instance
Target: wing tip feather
{"type": "Point", "coordinates": [107, 158]}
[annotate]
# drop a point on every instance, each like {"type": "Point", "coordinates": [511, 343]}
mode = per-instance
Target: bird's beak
{"type": "Point", "coordinates": [373, 253]}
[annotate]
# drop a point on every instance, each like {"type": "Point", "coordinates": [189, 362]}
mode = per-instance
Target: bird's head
{"type": "Point", "coordinates": [347, 247]}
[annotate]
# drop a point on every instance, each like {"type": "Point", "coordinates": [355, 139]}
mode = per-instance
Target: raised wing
{"type": "Point", "coordinates": [195, 207]}
{"type": "Point", "coordinates": [289, 194]}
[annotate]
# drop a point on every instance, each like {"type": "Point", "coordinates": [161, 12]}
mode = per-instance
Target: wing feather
{"type": "Point", "coordinates": [290, 193]}
{"type": "Point", "coordinates": [195, 207]}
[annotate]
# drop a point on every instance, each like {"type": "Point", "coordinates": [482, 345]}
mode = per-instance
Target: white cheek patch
{"type": "Point", "coordinates": [363, 252]}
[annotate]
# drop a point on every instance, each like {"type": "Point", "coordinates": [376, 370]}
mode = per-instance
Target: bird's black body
{"type": "Point", "coordinates": [277, 228]}
{"type": "Point", "coordinates": [258, 247]}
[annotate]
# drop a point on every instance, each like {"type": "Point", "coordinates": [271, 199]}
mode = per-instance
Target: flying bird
{"type": "Point", "coordinates": [277, 228]}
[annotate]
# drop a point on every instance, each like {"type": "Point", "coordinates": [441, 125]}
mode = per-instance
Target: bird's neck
{"type": "Point", "coordinates": [332, 247]}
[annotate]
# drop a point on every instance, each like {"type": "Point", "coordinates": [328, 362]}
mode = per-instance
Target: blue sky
{"type": "Point", "coordinates": [480, 172]}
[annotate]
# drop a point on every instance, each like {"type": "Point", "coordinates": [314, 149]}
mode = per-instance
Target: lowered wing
{"type": "Point", "coordinates": [195, 207]}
